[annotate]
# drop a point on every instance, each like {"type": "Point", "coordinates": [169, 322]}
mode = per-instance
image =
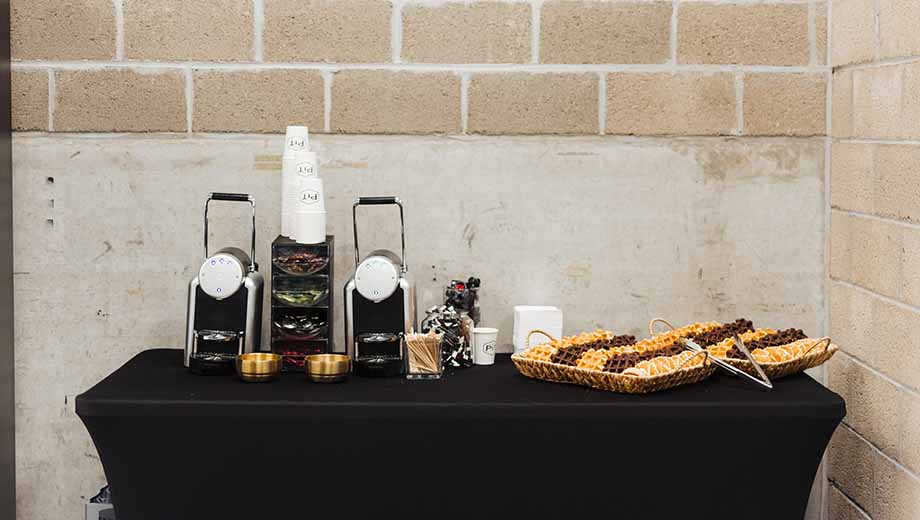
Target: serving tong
{"type": "Point", "coordinates": [763, 382]}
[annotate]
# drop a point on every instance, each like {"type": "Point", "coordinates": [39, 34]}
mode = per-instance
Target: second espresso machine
{"type": "Point", "coordinates": [379, 303]}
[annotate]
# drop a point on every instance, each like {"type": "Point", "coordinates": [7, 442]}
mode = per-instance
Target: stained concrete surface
{"type": "Point", "coordinates": [615, 231]}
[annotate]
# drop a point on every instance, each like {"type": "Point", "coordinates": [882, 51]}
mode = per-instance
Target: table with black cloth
{"type": "Point", "coordinates": [485, 443]}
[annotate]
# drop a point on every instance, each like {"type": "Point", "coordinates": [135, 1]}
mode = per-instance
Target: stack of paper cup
{"type": "Point", "coordinates": [303, 208]}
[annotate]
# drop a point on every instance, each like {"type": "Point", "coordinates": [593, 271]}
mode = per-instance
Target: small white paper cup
{"type": "Point", "coordinates": [483, 345]}
{"type": "Point", "coordinates": [296, 139]}
{"type": "Point", "coordinates": [299, 164]}
{"type": "Point", "coordinates": [309, 227]}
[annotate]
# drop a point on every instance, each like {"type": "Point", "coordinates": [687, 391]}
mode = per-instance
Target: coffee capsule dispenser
{"type": "Point", "coordinates": [301, 313]}
{"type": "Point", "coordinates": [224, 316]}
{"type": "Point", "coordinates": [379, 304]}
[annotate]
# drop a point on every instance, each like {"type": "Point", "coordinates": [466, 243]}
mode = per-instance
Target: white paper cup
{"type": "Point", "coordinates": [299, 164]}
{"type": "Point", "coordinates": [309, 227]}
{"type": "Point", "coordinates": [296, 139]}
{"type": "Point", "coordinates": [308, 195]}
{"type": "Point", "coordinates": [483, 343]}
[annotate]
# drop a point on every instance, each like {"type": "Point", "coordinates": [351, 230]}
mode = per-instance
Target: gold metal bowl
{"type": "Point", "coordinates": [327, 368]}
{"type": "Point", "coordinates": [258, 367]}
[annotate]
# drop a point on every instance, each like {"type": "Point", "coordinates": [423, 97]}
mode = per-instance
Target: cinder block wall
{"type": "Point", "coordinates": [874, 293]}
{"type": "Point", "coordinates": [407, 67]}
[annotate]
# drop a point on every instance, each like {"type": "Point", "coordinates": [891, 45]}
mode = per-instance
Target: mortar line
{"type": "Point", "coordinates": [52, 99]}
{"type": "Point", "coordinates": [739, 103]}
{"type": "Point", "coordinates": [812, 34]}
{"type": "Point", "coordinates": [258, 30]}
{"type": "Point", "coordinates": [424, 67]}
{"type": "Point", "coordinates": [861, 140]}
{"type": "Point", "coordinates": [848, 499]}
{"type": "Point", "coordinates": [877, 52]}
{"type": "Point", "coordinates": [396, 33]}
{"type": "Point", "coordinates": [464, 102]}
{"type": "Point", "coordinates": [189, 99]}
{"type": "Point", "coordinates": [613, 138]}
{"type": "Point", "coordinates": [328, 77]}
{"type": "Point", "coordinates": [877, 64]}
{"type": "Point", "coordinates": [536, 9]}
{"type": "Point", "coordinates": [910, 473]}
{"type": "Point", "coordinates": [877, 218]}
{"type": "Point", "coordinates": [119, 30]}
{"type": "Point", "coordinates": [673, 32]}
{"type": "Point", "coordinates": [601, 103]}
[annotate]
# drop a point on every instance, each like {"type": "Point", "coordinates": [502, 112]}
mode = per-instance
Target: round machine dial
{"type": "Point", "coordinates": [221, 276]}
{"type": "Point", "coordinates": [377, 278]}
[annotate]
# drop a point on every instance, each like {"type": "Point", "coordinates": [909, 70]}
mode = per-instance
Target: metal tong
{"type": "Point", "coordinates": [764, 381]}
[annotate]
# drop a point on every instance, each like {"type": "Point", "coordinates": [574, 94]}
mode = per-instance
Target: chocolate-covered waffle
{"type": "Point", "coordinates": [720, 333]}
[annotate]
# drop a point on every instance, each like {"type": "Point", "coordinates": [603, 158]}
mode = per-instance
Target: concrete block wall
{"type": "Point", "coordinates": [631, 67]}
{"type": "Point", "coordinates": [874, 291]}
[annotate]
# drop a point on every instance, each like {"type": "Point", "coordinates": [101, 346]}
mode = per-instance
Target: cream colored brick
{"type": "Point", "coordinates": [383, 102]}
{"type": "Point", "coordinates": [872, 406]}
{"type": "Point", "coordinates": [877, 106]}
{"type": "Point", "coordinates": [176, 30]}
{"type": "Point", "coordinates": [898, 187]}
{"type": "Point", "coordinates": [605, 32]}
{"type": "Point", "coordinates": [910, 266]}
{"type": "Point", "coordinates": [853, 179]}
{"type": "Point", "coordinates": [897, 357]}
{"type": "Point", "coordinates": [821, 32]}
{"type": "Point", "coordinates": [909, 415]}
{"type": "Point", "coordinates": [785, 104]}
{"type": "Point", "coordinates": [338, 31]}
{"type": "Point", "coordinates": [897, 493]}
{"type": "Point", "coordinates": [257, 101]}
{"type": "Point", "coordinates": [521, 103]}
{"type": "Point", "coordinates": [865, 252]}
{"type": "Point", "coordinates": [852, 31]}
{"type": "Point", "coordinates": [480, 32]}
{"type": "Point", "coordinates": [29, 96]}
{"type": "Point", "coordinates": [850, 464]}
{"type": "Point", "coordinates": [852, 322]}
{"type": "Point", "coordinates": [664, 103]}
{"type": "Point", "coordinates": [839, 507]}
{"type": "Point", "coordinates": [897, 22]}
{"type": "Point", "coordinates": [842, 104]}
{"type": "Point", "coordinates": [55, 30]}
{"type": "Point", "coordinates": [120, 100]}
{"type": "Point", "coordinates": [759, 34]}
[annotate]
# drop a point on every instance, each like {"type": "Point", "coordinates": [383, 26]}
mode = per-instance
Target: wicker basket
{"type": "Point", "coordinates": [812, 358]}
{"type": "Point", "coordinates": [622, 383]}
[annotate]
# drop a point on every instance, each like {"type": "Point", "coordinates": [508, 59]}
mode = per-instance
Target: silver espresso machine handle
{"type": "Point", "coordinates": [233, 197]}
{"type": "Point", "coordinates": [380, 201]}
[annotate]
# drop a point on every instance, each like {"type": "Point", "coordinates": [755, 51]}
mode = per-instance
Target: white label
{"type": "Point", "coordinates": [309, 197]}
{"type": "Point", "coordinates": [305, 169]}
{"type": "Point", "coordinates": [297, 143]}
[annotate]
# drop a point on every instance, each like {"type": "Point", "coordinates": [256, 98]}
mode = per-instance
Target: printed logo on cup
{"type": "Point", "coordinates": [305, 169]}
{"type": "Point", "coordinates": [309, 197]}
{"type": "Point", "coordinates": [489, 348]}
{"type": "Point", "coordinates": [297, 143]}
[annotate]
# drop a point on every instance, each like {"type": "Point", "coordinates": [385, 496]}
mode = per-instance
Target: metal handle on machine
{"type": "Point", "coordinates": [233, 197]}
{"type": "Point", "coordinates": [380, 201]}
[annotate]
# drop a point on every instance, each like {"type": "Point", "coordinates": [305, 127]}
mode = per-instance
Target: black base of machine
{"type": "Point", "coordinates": [378, 367]}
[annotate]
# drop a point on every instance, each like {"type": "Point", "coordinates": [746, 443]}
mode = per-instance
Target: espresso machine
{"type": "Point", "coordinates": [224, 302]}
{"type": "Point", "coordinates": [379, 303]}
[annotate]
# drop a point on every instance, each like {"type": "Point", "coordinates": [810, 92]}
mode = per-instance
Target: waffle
{"type": "Point", "coordinates": [569, 356]}
{"type": "Point", "coordinates": [668, 339]}
{"type": "Point", "coordinates": [779, 354]}
{"type": "Point", "coordinates": [726, 348]}
{"type": "Point", "coordinates": [593, 359]}
{"type": "Point", "coordinates": [541, 352]}
{"type": "Point", "coordinates": [617, 363]}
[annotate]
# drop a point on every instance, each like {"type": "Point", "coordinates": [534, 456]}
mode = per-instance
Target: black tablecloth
{"type": "Point", "coordinates": [483, 443]}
